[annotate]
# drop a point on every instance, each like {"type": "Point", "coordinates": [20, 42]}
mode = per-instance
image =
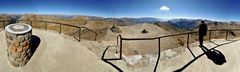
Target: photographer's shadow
{"type": "Point", "coordinates": [215, 55]}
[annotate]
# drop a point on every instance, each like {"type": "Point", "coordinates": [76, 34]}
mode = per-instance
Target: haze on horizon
{"type": "Point", "coordinates": [221, 10]}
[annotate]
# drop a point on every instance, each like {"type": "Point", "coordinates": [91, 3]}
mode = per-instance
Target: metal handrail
{"type": "Point", "coordinates": [96, 34]}
{"type": "Point", "coordinates": [159, 39]}
{"type": "Point", "coordinates": [60, 26]}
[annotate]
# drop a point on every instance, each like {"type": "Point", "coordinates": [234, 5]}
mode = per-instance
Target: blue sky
{"type": "Point", "coordinates": [224, 10]}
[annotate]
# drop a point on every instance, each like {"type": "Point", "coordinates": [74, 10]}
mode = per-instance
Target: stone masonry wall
{"type": "Point", "coordinates": [19, 48]}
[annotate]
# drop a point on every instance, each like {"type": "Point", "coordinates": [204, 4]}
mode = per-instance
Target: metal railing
{"type": "Point", "coordinates": [120, 39]}
{"type": "Point", "coordinates": [79, 31]}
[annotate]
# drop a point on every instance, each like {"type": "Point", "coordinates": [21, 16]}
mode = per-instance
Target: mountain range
{"type": "Point", "coordinates": [185, 24]}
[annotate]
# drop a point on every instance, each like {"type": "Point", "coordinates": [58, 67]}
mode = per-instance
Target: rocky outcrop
{"type": "Point", "coordinates": [144, 31]}
{"type": "Point", "coordinates": [115, 29]}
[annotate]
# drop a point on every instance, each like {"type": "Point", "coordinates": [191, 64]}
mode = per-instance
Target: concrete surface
{"type": "Point", "coordinates": [61, 53]}
{"type": "Point", "coordinates": [56, 53]}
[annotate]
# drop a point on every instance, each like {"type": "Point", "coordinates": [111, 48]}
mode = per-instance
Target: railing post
{"type": "Point", "coordinates": [79, 33]}
{"type": "Point", "coordinates": [210, 33]}
{"type": "Point", "coordinates": [117, 45]}
{"type": "Point", "coordinates": [188, 45]}
{"type": "Point", "coordinates": [60, 28]}
{"type": "Point", "coordinates": [120, 48]}
{"type": "Point", "coordinates": [3, 24]}
{"type": "Point", "coordinates": [159, 50]}
{"type": "Point", "coordinates": [226, 34]}
{"type": "Point", "coordinates": [187, 39]}
{"type": "Point", "coordinates": [117, 41]}
{"type": "Point", "coordinates": [96, 36]}
{"type": "Point", "coordinates": [31, 23]}
{"type": "Point", "coordinates": [45, 25]}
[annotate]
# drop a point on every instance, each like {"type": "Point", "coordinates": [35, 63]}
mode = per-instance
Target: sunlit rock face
{"type": "Point", "coordinates": [18, 37]}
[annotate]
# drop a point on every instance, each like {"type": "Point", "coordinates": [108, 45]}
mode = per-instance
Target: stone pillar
{"type": "Point", "coordinates": [18, 43]}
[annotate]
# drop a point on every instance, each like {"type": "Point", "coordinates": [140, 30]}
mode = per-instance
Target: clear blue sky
{"type": "Point", "coordinates": [204, 9]}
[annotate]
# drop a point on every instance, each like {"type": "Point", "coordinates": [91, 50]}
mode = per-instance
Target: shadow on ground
{"type": "Point", "coordinates": [112, 59]}
{"type": "Point", "coordinates": [214, 55]}
{"type": "Point", "coordinates": [35, 43]}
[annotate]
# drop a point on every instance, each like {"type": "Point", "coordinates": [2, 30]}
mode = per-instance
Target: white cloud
{"type": "Point", "coordinates": [164, 8]}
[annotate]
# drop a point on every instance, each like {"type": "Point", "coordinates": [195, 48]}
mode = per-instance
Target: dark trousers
{"type": "Point", "coordinates": [201, 40]}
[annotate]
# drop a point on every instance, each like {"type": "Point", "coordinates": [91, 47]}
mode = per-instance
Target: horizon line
{"type": "Point", "coordinates": [157, 17]}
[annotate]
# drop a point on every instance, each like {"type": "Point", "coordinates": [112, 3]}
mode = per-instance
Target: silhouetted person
{"type": "Point", "coordinates": [202, 32]}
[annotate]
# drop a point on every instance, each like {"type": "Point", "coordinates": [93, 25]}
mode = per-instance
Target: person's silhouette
{"type": "Point", "coordinates": [202, 32]}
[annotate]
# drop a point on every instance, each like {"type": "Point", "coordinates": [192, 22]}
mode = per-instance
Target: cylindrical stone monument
{"type": "Point", "coordinates": [18, 43]}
